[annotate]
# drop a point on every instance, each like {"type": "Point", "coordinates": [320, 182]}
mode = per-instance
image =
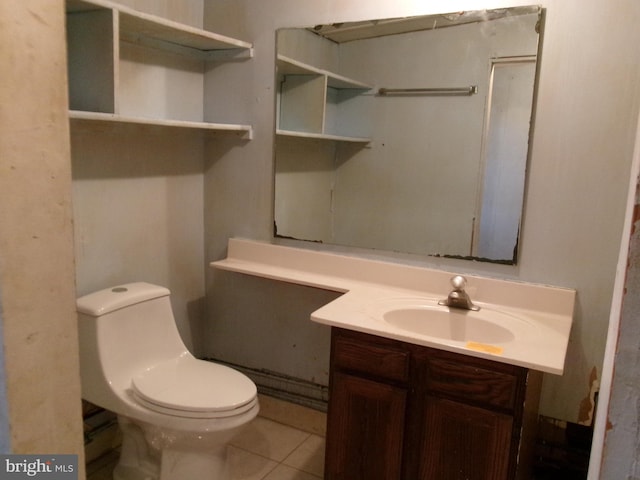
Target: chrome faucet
{"type": "Point", "coordinates": [458, 298]}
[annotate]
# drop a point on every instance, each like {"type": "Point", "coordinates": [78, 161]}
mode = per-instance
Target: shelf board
{"type": "Point", "coordinates": [141, 24]}
{"type": "Point", "coordinates": [289, 66]}
{"type": "Point", "coordinates": [135, 24]}
{"type": "Point", "coordinates": [322, 136]}
{"type": "Point", "coordinates": [245, 131]}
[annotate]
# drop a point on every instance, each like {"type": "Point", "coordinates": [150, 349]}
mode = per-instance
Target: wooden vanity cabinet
{"type": "Point", "coordinates": [402, 411]}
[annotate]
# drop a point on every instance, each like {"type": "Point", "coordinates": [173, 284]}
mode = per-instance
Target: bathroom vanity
{"type": "Point", "coordinates": [404, 411]}
{"type": "Point", "coordinates": [418, 390]}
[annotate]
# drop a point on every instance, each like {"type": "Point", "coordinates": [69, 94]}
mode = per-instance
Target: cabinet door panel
{"type": "Point", "coordinates": [365, 428]}
{"type": "Point", "coordinates": [472, 382]}
{"type": "Point", "coordinates": [383, 359]}
{"type": "Point", "coordinates": [462, 442]}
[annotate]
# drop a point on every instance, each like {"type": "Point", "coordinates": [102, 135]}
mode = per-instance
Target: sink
{"type": "Point", "coordinates": [461, 326]}
{"type": "Point", "coordinates": [425, 317]}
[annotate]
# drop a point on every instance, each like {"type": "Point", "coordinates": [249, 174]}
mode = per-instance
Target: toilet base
{"type": "Point", "coordinates": [151, 453]}
{"type": "Point", "coordinates": [138, 460]}
{"type": "Point", "coordinates": [178, 465]}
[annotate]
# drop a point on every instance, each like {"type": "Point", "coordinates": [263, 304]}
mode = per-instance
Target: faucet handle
{"type": "Point", "coordinates": [458, 282]}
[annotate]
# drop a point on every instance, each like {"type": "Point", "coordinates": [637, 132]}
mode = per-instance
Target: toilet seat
{"type": "Point", "coordinates": [188, 387]}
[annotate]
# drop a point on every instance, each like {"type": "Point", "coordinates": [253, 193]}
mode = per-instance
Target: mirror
{"type": "Point", "coordinates": [408, 135]}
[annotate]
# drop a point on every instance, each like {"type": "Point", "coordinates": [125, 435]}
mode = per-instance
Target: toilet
{"type": "Point", "coordinates": [177, 413]}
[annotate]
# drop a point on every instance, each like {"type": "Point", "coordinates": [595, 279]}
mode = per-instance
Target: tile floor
{"type": "Point", "coordinates": [285, 442]}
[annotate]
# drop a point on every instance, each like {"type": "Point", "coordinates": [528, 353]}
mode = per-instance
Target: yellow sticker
{"type": "Point", "coordinates": [483, 347]}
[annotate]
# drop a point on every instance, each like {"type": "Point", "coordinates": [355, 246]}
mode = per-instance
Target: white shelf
{"type": "Point", "coordinates": [245, 131]}
{"type": "Point", "coordinates": [110, 80]}
{"type": "Point", "coordinates": [289, 66]}
{"type": "Point", "coordinates": [322, 136]}
{"type": "Point", "coordinates": [138, 24]}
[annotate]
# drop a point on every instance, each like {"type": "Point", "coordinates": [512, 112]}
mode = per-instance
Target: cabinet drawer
{"type": "Point", "coordinates": [379, 358]}
{"type": "Point", "coordinates": [472, 382]}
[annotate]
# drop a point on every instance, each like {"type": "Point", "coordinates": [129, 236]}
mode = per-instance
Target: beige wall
{"type": "Point", "coordinates": [36, 250]}
{"type": "Point", "coordinates": [582, 148]}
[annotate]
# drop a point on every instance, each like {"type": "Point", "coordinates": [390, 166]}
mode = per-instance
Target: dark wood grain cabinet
{"type": "Point", "coordinates": [407, 412]}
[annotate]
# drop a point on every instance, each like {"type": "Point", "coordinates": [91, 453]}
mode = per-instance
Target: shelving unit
{"type": "Point", "coordinates": [130, 67]}
{"type": "Point", "coordinates": [313, 101]}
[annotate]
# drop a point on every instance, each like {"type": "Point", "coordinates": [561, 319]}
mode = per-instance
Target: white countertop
{"type": "Point", "coordinates": [542, 314]}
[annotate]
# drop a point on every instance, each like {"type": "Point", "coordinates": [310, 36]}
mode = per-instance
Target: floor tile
{"type": "Point", "coordinates": [282, 472]}
{"type": "Point", "coordinates": [270, 439]}
{"type": "Point", "coordinates": [309, 456]}
{"type": "Point", "coordinates": [303, 418]}
{"type": "Point", "coordinates": [245, 465]}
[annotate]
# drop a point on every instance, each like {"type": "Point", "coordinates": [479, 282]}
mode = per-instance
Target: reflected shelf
{"type": "Point", "coordinates": [290, 66]}
{"type": "Point", "coordinates": [322, 136]}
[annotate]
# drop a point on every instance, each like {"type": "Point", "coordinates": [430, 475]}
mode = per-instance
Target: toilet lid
{"type": "Point", "coordinates": [187, 385]}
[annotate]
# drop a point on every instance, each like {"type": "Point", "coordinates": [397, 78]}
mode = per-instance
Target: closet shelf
{"type": "Point", "coordinates": [289, 66]}
{"type": "Point", "coordinates": [322, 136]}
{"type": "Point", "coordinates": [245, 131]}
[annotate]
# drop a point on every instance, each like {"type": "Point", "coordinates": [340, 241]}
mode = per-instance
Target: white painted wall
{"type": "Point", "coordinates": [188, 12]}
{"type": "Point", "coordinates": [138, 191]}
{"type": "Point", "coordinates": [138, 213]}
{"type": "Point", "coordinates": [616, 435]}
{"type": "Point", "coordinates": [582, 147]}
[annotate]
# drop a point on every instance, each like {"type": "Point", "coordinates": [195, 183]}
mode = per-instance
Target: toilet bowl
{"type": "Point", "coordinates": [177, 413]}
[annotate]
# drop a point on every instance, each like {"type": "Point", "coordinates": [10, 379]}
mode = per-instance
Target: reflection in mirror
{"type": "Point", "coordinates": [407, 135]}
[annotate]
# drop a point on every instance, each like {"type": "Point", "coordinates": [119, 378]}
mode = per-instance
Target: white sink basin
{"type": "Point", "coordinates": [423, 317]}
{"type": "Point", "coordinates": [450, 324]}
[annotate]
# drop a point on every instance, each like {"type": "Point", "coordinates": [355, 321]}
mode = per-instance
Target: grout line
{"type": "Point", "coordinates": [286, 459]}
{"type": "Point", "coordinates": [294, 450]}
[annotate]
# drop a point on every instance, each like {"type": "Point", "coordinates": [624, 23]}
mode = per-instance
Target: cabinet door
{"type": "Point", "coordinates": [364, 431]}
{"type": "Point", "coordinates": [463, 442]}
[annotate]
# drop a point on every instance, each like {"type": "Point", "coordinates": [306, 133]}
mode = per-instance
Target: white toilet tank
{"type": "Point", "coordinates": [122, 331]}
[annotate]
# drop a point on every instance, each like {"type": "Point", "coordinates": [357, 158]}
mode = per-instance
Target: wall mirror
{"type": "Point", "coordinates": [409, 134]}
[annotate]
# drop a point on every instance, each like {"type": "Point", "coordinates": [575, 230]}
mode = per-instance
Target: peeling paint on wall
{"type": "Point", "coordinates": [588, 404]}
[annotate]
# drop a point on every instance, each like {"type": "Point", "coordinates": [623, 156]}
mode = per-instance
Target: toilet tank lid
{"type": "Point", "coordinates": [114, 298]}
